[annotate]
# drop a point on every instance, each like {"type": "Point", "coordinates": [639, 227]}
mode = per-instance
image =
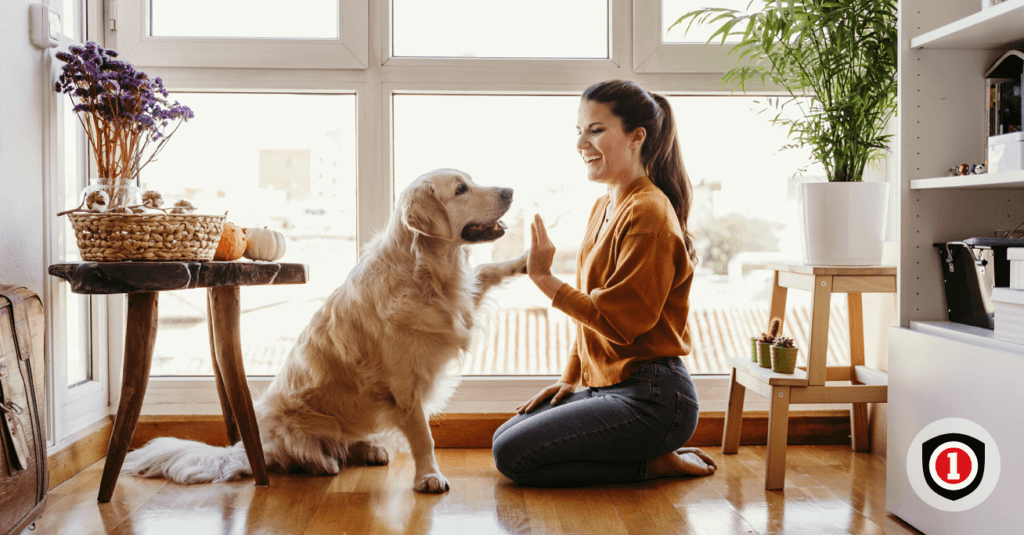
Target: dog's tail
{"type": "Point", "coordinates": [187, 461]}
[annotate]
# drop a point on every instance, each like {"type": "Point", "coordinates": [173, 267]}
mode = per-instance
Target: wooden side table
{"type": "Point", "coordinates": [808, 385]}
{"type": "Point", "coordinates": [143, 282]}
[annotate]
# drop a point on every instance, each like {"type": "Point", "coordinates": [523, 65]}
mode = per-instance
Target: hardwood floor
{"type": "Point", "coordinates": [829, 489]}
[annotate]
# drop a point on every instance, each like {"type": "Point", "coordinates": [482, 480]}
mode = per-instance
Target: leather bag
{"type": "Point", "coordinates": [24, 478]}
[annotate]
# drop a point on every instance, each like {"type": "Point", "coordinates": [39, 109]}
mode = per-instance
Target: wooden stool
{"type": "Point", "coordinates": [143, 281]}
{"type": "Point", "coordinates": [807, 385]}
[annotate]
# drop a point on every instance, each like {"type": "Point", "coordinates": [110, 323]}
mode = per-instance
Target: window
{"type": "Point", "coordinates": [438, 83]}
{"type": "Point", "coordinates": [281, 161]}
{"type": "Point", "coordinates": [656, 50]}
{"type": "Point", "coordinates": [470, 28]}
{"type": "Point", "coordinates": [76, 338]}
{"type": "Point", "coordinates": [295, 19]}
{"type": "Point", "coordinates": [235, 33]}
{"type": "Point", "coordinates": [671, 10]}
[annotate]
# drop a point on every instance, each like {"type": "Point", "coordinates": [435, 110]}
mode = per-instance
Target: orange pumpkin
{"type": "Point", "coordinates": [232, 243]}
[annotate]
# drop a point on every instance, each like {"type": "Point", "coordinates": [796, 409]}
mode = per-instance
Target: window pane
{"type": "Point", "coordinates": [523, 29]}
{"type": "Point", "coordinates": [286, 162]}
{"type": "Point", "coordinates": [745, 213]}
{"type": "Point", "coordinates": [272, 19]}
{"type": "Point", "coordinates": [79, 350]}
{"type": "Point", "coordinates": [671, 10]}
{"type": "Point", "coordinates": [70, 26]}
{"type": "Point", "coordinates": [528, 143]}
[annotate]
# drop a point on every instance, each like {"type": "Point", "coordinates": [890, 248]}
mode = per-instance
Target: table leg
{"type": "Point", "coordinates": [733, 416]}
{"type": "Point", "coordinates": [778, 305]}
{"type": "Point", "coordinates": [859, 412]}
{"type": "Point", "coordinates": [224, 301]}
{"type": "Point", "coordinates": [225, 402]}
{"type": "Point", "coordinates": [778, 437]}
{"type": "Point", "coordinates": [140, 338]}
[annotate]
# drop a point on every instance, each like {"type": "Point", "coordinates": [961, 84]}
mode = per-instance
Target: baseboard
{"type": "Point", "coordinates": [461, 430]}
{"type": "Point", "coordinates": [79, 451]}
{"type": "Point", "coordinates": [466, 430]}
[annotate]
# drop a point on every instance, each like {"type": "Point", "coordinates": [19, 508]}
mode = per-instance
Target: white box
{"type": "Point", "coordinates": [1016, 257]}
{"type": "Point", "coordinates": [1006, 153]}
{"type": "Point", "coordinates": [1009, 314]}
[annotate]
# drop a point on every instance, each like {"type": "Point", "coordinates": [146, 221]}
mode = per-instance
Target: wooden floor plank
{"type": "Point", "coordinates": [829, 489]}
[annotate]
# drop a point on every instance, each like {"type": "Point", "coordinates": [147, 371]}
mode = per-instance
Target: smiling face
{"type": "Point", "coordinates": [446, 203]}
{"type": "Point", "coordinates": [610, 154]}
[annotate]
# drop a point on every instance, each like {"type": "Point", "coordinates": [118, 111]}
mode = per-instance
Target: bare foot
{"type": "Point", "coordinates": [684, 462]}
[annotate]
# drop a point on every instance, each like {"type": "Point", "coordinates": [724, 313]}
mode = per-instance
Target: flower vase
{"type": "Point", "coordinates": [110, 195]}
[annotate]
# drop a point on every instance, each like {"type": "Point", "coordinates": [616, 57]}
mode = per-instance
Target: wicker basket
{"type": "Point", "coordinates": [108, 237]}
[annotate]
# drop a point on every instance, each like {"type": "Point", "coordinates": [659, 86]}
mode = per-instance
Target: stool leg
{"type": "Point", "coordinates": [778, 436]}
{"type": "Point", "coordinates": [224, 301]}
{"type": "Point", "coordinates": [225, 402]}
{"type": "Point", "coordinates": [733, 416]}
{"type": "Point", "coordinates": [140, 337]}
{"type": "Point", "coordinates": [778, 304]}
{"type": "Point", "coordinates": [859, 412]}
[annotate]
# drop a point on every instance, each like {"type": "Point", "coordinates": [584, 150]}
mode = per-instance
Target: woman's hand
{"type": "Point", "coordinates": [556, 392]}
{"type": "Point", "coordinates": [542, 251]}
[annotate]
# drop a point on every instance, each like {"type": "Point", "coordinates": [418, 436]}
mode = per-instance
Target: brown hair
{"type": "Point", "coordinates": [660, 153]}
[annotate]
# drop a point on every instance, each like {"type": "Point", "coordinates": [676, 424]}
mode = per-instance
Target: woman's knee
{"type": "Point", "coordinates": [505, 453]}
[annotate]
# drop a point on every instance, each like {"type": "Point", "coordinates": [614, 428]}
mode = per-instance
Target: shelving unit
{"type": "Point", "coordinates": [937, 369]}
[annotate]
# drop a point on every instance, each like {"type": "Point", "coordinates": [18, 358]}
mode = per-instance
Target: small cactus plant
{"type": "Point", "coordinates": [773, 331]}
{"type": "Point", "coordinates": [783, 341]}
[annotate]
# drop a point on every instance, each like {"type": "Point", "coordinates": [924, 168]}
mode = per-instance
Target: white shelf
{"type": "Point", "coordinates": [1010, 180]}
{"type": "Point", "coordinates": [995, 28]}
{"type": "Point", "coordinates": [967, 334]}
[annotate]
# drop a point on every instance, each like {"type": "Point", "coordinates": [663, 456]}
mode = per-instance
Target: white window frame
{"type": "Point", "coordinates": [375, 87]}
{"type": "Point", "coordinates": [130, 19]}
{"type": "Point", "coordinates": [651, 55]}
{"type": "Point", "coordinates": [69, 408]}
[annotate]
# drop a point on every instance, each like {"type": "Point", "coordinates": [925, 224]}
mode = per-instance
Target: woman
{"type": "Point", "coordinates": [635, 268]}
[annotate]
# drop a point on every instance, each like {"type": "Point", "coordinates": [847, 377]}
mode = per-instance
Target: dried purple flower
{"type": "Point", "coordinates": [110, 95]}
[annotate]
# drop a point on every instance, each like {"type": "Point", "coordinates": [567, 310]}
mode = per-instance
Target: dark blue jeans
{"type": "Point", "coordinates": [601, 435]}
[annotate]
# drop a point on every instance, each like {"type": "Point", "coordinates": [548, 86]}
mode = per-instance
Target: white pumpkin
{"type": "Point", "coordinates": [263, 244]}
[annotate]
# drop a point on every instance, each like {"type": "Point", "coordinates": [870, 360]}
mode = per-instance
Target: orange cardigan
{"type": "Point", "coordinates": [636, 286]}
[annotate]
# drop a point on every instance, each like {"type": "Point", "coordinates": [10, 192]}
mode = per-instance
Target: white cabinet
{"type": "Point", "coordinates": [939, 370]}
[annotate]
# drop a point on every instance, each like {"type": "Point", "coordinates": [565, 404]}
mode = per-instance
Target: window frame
{"type": "Point", "coordinates": [651, 55]}
{"type": "Point", "coordinates": [130, 20]}
{"type": "Point", "coordinates": [375, 87]}
{"type": "Point", "coordinates": [70, 408]}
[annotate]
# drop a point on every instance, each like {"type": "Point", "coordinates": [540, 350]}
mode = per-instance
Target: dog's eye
{"type": "Point", "coordinates": [461, 189]}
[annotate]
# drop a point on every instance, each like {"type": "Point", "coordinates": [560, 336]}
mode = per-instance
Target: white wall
{"type": "Point", "coordinates": [23, 76]}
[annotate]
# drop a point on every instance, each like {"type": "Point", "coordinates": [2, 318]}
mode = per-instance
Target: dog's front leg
{"type": "Point", "coordinates": [494, 273]}
{"type": "Point", "coordinates": [414, 425]}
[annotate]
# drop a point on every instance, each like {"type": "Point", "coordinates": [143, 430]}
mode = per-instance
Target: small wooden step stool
{"type": "Point", "coordinates": [808, 385]}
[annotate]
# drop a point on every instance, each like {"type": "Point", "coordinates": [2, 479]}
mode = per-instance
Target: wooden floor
{"type": "Point", "coordinates": [829, 489]}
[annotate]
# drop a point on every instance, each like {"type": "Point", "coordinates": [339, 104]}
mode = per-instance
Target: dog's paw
{"type": "Point", "coordinates": [433, 483]}
{"type": "Point", "coordinates": [519, 264]}
{"type": "Point", "coordinates": [376, 456]}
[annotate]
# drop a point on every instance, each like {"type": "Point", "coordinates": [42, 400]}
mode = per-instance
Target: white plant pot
{"type": "Point", "coordinates": [844, 222]}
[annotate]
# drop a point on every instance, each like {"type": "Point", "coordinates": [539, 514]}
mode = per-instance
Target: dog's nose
{"type": "Point", "coordinates": [506, 193]}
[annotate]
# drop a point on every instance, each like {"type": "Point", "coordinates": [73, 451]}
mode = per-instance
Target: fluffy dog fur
{"type": "Point", "coordinates": [373, 358]}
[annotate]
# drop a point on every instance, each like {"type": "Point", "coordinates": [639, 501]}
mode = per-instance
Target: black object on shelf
{"type": "Point", "coordinates": [970, 269]}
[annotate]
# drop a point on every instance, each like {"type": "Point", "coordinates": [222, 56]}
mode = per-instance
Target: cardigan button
{"type": "Point", "coordinates": [586, 376]}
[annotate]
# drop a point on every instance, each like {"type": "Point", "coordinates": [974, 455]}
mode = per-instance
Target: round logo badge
{"type": "Point", "coordinates": [953, 464]}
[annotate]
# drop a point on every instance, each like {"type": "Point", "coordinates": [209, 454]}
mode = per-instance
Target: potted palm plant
{"type": "Point", "coordinates": [840, 59]}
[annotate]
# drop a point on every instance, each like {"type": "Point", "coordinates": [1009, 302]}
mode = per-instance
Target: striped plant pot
{"type": "Point", "coordinates": [753, 348]}
{"type": "Point", "coordinates": [784, 359]}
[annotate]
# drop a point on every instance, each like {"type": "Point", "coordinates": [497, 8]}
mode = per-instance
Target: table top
{"type": "Point", "coordinates": [131, 277]}
{"type": "Point", "coordinates": [808, 269]}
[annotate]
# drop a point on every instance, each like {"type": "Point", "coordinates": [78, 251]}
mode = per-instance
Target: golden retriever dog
{"type": "Point", "coordinates": [374, 357]}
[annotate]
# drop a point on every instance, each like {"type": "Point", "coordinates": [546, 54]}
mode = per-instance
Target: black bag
{"type": "Point", "coordinates": [24, 478]}
{"type": "Point", "coordinates": [970, 269]}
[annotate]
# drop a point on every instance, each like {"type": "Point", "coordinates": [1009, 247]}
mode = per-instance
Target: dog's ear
{"type": "Point", "coordinates": [425, 214]}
